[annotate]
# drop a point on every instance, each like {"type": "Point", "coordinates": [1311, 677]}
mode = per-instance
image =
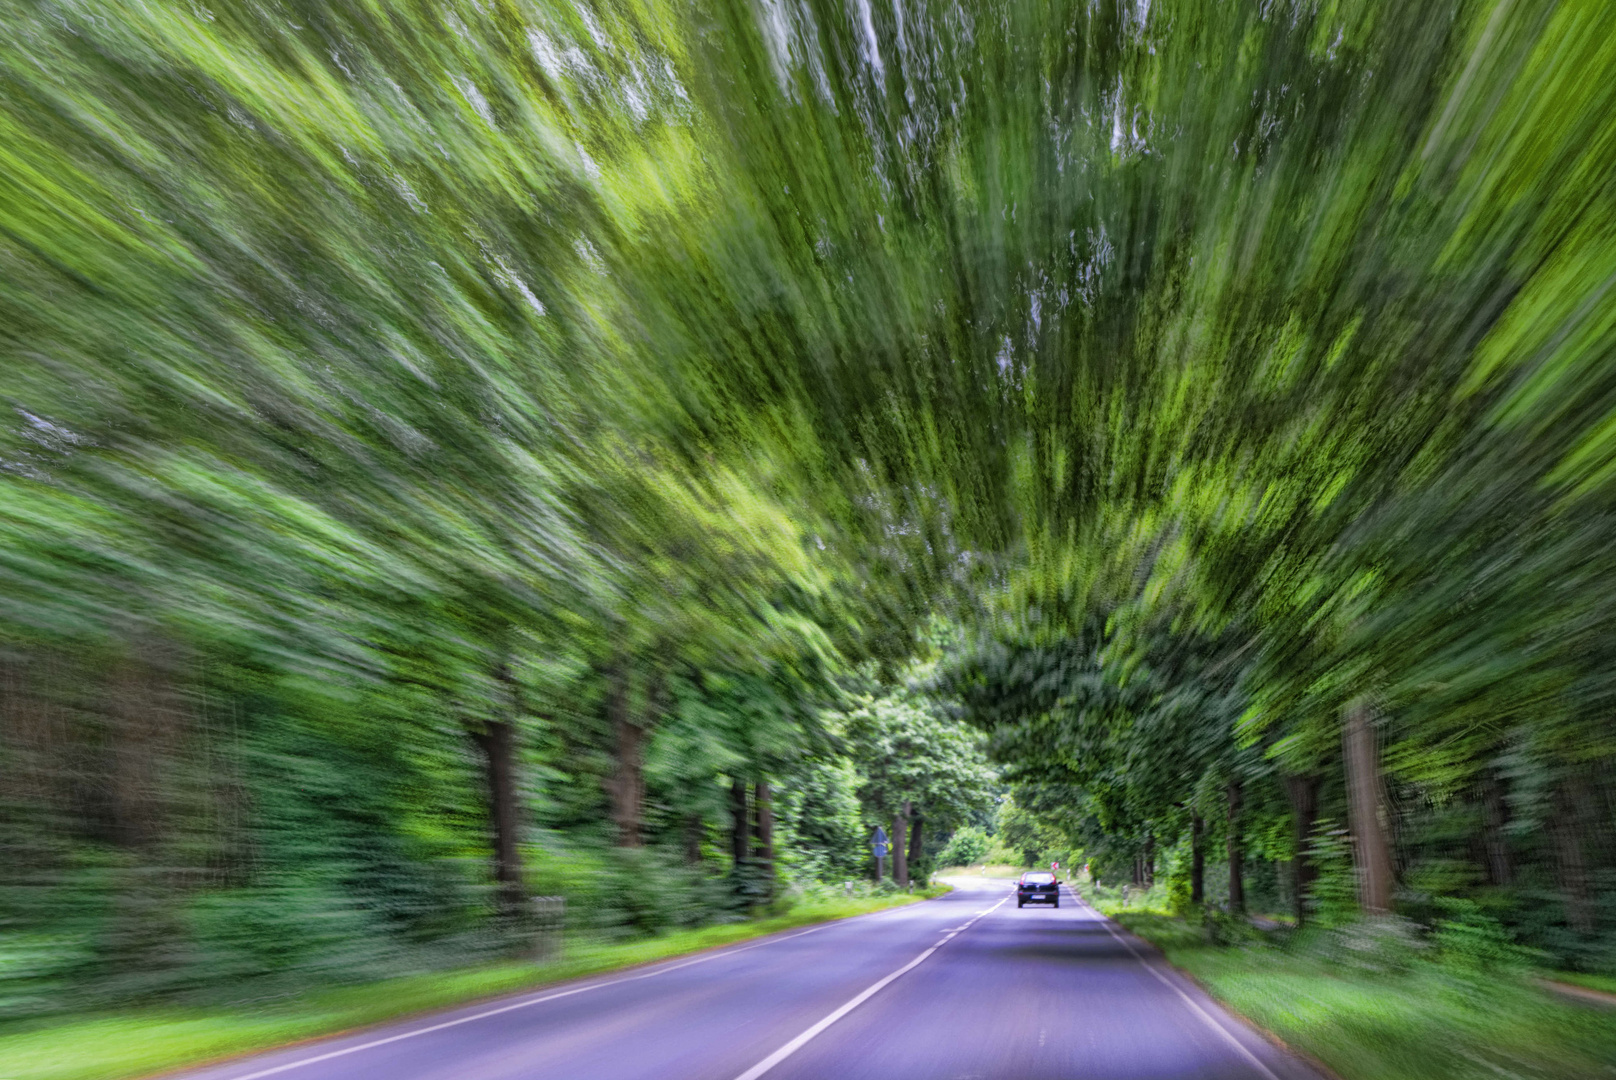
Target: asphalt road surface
{"type": "Point", "coordinates": [965, 987]}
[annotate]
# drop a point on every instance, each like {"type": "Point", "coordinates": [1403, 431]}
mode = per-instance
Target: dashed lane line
{"type": "Point", "coordinates": [875, 988]}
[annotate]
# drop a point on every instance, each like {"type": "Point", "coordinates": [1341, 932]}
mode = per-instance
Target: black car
{"type": "Point", "coordinates": [1037, 887]}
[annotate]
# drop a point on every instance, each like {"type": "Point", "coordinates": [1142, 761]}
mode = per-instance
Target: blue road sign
{"type": "Point", "coordinates": [878, 843]}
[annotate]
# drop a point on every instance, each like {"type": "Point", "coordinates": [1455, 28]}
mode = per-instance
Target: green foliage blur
{"type": "Point", "coordinates": [457, 454]}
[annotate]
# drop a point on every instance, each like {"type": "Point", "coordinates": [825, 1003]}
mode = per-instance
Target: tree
{"type": "Point", "coordinates": [915, 766]}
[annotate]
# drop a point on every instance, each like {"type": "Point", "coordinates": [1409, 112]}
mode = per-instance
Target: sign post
{"type": "Point", "coordinates": [878, 848]}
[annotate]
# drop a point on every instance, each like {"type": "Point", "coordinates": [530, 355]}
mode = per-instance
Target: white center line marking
{"type": "Point", "coordinates": [524, 1003]}
{"type": "Point", "coordinates": [802, 1040]}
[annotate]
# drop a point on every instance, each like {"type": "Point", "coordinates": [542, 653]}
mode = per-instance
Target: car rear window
{"type": "Point", "coordinates": [1039, 878]}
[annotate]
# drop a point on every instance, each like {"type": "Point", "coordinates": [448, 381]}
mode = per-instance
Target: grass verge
{"type": "Point", "coordinates": [140, 1042]}
{"type": "Point", "coordinates": [1427, 1022]}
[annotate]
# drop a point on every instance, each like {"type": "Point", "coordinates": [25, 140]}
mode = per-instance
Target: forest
{"type": "Point", "coordinates": [452, 454]}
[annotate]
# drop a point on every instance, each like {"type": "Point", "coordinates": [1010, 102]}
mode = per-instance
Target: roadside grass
{"type": "Point", "coordinates": [1426, 1021]}
{"type": "Point", "coordinates": [139, 1042]}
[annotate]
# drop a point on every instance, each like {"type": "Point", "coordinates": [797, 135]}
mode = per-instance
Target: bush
{"type": "Point", "coordinates": [1226, 928]}
{"type": "Point", "coordinates": [1334, 897]}
{"type": "Point", "coordinates": [967, 847]}
{"type": "Point", "coordinates": [304, 927]}
{"type": "Point", "coordinates": [1469, 941]}
{"type": "Point", "coordinates": [37, 969]}
{"type": "Point", "coordinates": [622, 892]}
{"type": "Point", "coordinates": [1178, 894]}
{"type": "Point", "coordinates": [1380, 945]}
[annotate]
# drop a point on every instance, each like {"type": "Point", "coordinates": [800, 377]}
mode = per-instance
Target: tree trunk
{"type": "Point", "coordinates": [1366, 811]}
{"type": "Point", "coordinates": [1197, 861]}
{"type": "Point", "coordinates": [497, 740]}
{"type": "Point", "coordinates": [1150, 860]}
{"type": "Point", "coordinates": [1237, 852]}
{"type": "Point", "coordinates": [738, 826]}
{"type": "Point", "coordinates": [1138, 871]}
{"type": "Point", "coordinates": [627, 785]}
{"type": "Point", "coordinates": [764, 832]}
{"type": "Point", "coordinates": [148, 716]}
{"type": "Point", "coordinates": [900, 860]}
{"type": "Point", "coordinates": [1570, 798]}
{"type": "Point", "coordinates": [1304, 796]}
{"type": "Point", "coordinates": [1494, 817]}
{"type": "Point", "coordinates": [693, 839]}
{"type": "Point", "coordinates": [916, 852]}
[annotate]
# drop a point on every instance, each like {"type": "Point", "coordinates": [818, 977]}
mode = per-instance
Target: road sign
{"type": "Point", "coordinates": [878, 843]}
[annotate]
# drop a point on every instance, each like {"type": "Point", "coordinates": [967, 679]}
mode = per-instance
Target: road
{"type": "Point", "coordinates": [964, 987]}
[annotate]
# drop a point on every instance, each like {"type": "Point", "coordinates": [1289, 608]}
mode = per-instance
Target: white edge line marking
{"type": "Point", "coordinates": [1191, 1002]}
{"type": "Point", "coordinates": [525, 1002]}
{"type": "Point", "coordinates": [802, 1040]}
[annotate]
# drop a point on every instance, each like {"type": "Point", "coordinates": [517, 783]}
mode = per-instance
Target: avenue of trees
{"type": "Point", "coordinates": [460, 452]}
